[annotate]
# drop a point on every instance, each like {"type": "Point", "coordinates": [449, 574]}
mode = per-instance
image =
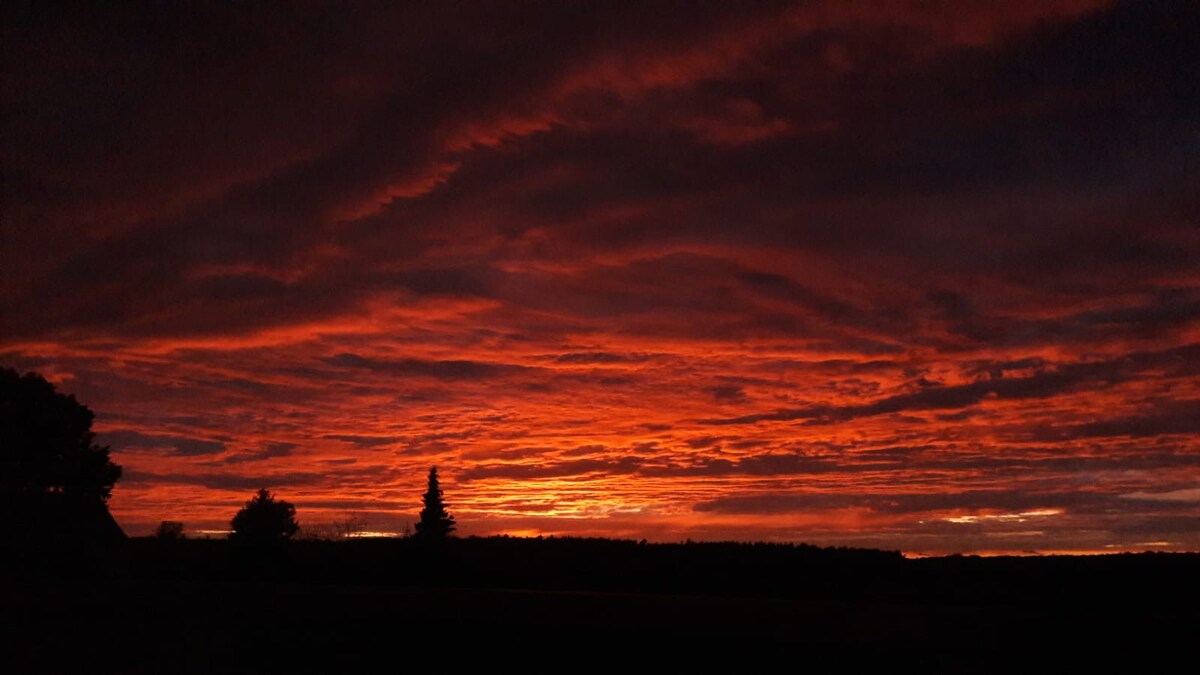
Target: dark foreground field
{"type": "Point", "coordinates": [567, 605]}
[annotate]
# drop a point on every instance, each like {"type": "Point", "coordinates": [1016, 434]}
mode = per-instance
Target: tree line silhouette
{"type": "Point", "coordinates": [265, 518]}
{"type": "Point", "coordinates": [55, 480]}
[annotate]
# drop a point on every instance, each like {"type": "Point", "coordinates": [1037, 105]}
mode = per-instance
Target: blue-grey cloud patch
{"type": "Point", "coordinates": [364, 441]}
{"type": "Point", "coordinates": [728, 393]}
{"type": "Point", "coordinates": [225, 481]}
{"type": "Point", "coordinates": [269, 451]}
{"type": "Point", "coordinates": [1174, 418]}
{"type": "Point", "coordinates": [597, 358]}
{"type": "Point", "coordinates": [621, 466]}
{"type": "Point", "coordinates": [910, 502]}
{"type": "Point", "coordinates": [439, 370]}
{"type": "Point", "coordinates": [176, 445]}
{"type": "Point", "coordinates": [1050, 382]}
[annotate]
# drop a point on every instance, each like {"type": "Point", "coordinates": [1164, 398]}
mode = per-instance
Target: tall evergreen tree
{"type": "Point", "coordinates": [435, 522]}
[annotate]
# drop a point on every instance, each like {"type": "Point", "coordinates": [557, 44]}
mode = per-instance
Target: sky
{"type": "Point", "coordinates": [922, 276]}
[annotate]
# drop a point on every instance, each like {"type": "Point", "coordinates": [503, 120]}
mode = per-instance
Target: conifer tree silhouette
{"type": "Point", "coordinates": [435, 522]}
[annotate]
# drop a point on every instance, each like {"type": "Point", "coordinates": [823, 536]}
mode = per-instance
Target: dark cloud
{"type": "Point", "coordinates": [1041, 385]}
{"type": "Point", "coordinates": [768, 464]}
{"type": "Point", "coordinates": [270, 451]}
{"type": "Point", "coordinates": [280, 448]}
{"type": "Point", "coordinates": [589, 358]}
{"type": "Point", "coordinates": [728, 393]}
{"type": "Point", "coordinates": [585, 451]}
{"type": "Point", "coordinates": [1182, 417]}
{"type": "Point", "coordinates": [1005, 500]}
{"type": "Point", "coordinates": [569, 468]}
{"type": "Point", "coordinates": [226, 481]}
{"type": "Point", "coordinates": [177, 445]}
{"type": "Point", "coordinates": [441, 370]}
{"type": "Point", "coordinates": [360, 156]}
{"type": "Point", "coordinates": [1162, 312]}
{"type": "Point", "coordinates": [364, 441]}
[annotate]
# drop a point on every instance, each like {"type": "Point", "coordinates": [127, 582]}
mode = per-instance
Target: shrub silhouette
{"type": "Point", "coordinates": [264, 518]}
{"type": "Point", "coordinates": [54, 479]}
{"type": "Point", "coordinates": [170, 530]}
{"type": "Point", "coordinates": [435, 522]}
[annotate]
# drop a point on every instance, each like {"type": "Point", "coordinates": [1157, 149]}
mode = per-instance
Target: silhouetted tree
{"type": "Point", "coordinates": [435, 522]}
{"type": "Point", "coordinates": [264, 518]}
{"type": "Point", "coordinates": [170, 530]}
{"type": "Point", "coordinates": [46, 442]}
{"type": "Point", "coordinates": [54, 479]}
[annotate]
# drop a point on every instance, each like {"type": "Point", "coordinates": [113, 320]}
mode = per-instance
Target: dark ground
{"type": "Point", "coordinates": [567, 605]}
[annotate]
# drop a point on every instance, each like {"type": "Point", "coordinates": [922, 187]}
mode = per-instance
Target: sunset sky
{"type": "Point", "coordinates": [920, 276]}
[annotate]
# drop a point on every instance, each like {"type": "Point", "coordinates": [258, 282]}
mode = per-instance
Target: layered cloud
{"type": "Point", "coordinates": [897, 275]}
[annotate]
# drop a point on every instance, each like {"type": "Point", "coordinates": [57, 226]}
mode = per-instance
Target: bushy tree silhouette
{"type": "Point", "coordinates": [435, 522]}
{"type": "Point", "coordinates": [46, 442]}
{"type": "Point", "coordinates": [264, 518]}
{"type": "Point", "coordinates": [170, 530]}
{"type": "Point", "coordinates": [54, 479]}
